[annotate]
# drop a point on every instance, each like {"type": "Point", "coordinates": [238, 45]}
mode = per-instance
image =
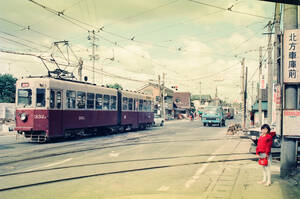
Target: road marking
{"type": "Point", "coordinates": [53, 164]}
{"type": "Point", "coordinates": [195, 177]}
{"type": "Point", "coordinates": [163, 188]}
{"type": "Point", "coordinates": [57, 163]}
{"type": "Point", "coordinates": [114, 154]}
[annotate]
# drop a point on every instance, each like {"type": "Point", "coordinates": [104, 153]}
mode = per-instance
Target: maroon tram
{"type": "Point", "coordinates": [50, 107]}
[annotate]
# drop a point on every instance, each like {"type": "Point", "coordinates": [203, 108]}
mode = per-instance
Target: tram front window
{"type": "Point", "coordinates": [24, 97]}
{"type": "Point", "coordinates": [40, 97]}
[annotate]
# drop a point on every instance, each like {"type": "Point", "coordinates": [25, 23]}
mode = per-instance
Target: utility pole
{"type": "Point", "coordinates": [159, 91]}
{"type": "Point", "coordinates": [270, 73]}
{"type": "Point", "coordinates": [277, 63]}
{"type": "Point", "coordinates": [80, 63]}
{"type": "Point", "coordinates": [163, 97]}
{"type": "Point", "coordinates": [200, 91]}
{"type": "Point", "coordinates": [259, 88]}
{"type": "Point", "coordinates": [288, 145]}
{"type": "Point", "coordinates": [94, 57]}
{"type": "Point", "coordinates": [245, 99]}
{"type": "Point", "coordinates": [243, 90]}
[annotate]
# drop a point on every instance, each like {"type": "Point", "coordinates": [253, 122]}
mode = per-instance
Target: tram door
{"type": "Point", "coordinates": [56, 113]}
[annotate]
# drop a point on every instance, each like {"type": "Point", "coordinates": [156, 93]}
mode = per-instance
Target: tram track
{"type": "Point", "coordinates": [107, 147]}
{"type": "Point", "coordinates": [119, 172]}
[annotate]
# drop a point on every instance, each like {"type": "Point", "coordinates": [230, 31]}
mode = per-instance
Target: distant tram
{"type": "Point", "coordinates": [50, 108]}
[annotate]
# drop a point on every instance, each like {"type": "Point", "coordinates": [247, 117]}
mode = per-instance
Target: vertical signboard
{"type": "Point", "coordinates": [291, 59]}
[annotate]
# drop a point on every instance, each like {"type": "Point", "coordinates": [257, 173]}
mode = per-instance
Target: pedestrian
{"type": "Point", "coordinates": [263, 151]}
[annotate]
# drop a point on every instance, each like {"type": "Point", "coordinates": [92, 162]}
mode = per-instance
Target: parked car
{"type": "Point", "coordinates": [158, 120]}
{"type": "Point", "coordinates": [253, 134]}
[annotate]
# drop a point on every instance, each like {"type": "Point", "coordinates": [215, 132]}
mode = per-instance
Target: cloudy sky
{"type": "Point", "coordinates": [191, 41]}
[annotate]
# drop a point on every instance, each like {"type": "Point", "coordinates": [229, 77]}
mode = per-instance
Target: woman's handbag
{"type": "Point", "coordinates": [263, 161]}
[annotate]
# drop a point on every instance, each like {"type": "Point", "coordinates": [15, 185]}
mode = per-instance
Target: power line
{"type": "Point", "coordinates": [142, 13]}
{"type": "Point", "coordinates": [228, 9]}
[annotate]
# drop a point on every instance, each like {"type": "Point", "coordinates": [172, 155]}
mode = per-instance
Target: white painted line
{"type": "Point", "coordinates": [50, 165]}
{"type": "Point", "coordinates": [114, 154]}
{"type": "Point", "coordinates": [195, 177]}
{"type": "Point", "coordinates": [163, 188]}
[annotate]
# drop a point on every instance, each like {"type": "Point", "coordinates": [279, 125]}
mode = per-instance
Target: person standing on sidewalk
{"type": "Point", "coordinates": [263, 150]}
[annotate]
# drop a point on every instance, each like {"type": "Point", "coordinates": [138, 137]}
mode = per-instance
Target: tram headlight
{"type": "Point", "coordinates": [23, 117]}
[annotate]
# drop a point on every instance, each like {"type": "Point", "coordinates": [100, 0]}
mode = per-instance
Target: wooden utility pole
{"type": "Point", "coordinates": [94, 57]}
{"type": "Point", "coordinates": [270, 73]}
{"type": "Point", "coordinates": [243, 89]}
{"type": "Point", "coordinates": [163, 96]}
{"type": "Point", "coordinates": [159, 91]}
{"type": "Point", "coordinates": [245, 100]}
{"type": "Point", "coordinates": [259, 88]}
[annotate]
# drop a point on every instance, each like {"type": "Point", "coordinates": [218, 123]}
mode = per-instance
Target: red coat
{"type": "Point", "coordinates": [264, 144]}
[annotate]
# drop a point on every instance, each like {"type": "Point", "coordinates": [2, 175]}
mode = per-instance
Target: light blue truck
{"type": "Point", "coordinates": [213, 115]}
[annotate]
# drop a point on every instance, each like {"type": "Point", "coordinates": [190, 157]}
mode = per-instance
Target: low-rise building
{"type": "Point", "coordinates": [182, 103]}
{"type": "Point", "coordinates": [154, 90]}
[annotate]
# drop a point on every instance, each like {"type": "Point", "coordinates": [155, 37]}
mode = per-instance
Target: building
{"type": "Point", "coordinates": [153, 89]}
{"type": "Point", "coordinates": [254, 109]}
{"type": "Point", "coordinates": [182, 104]}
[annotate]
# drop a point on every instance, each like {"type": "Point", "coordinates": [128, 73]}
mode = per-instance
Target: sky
{"type": "Point", "coordinates": [191, 41]}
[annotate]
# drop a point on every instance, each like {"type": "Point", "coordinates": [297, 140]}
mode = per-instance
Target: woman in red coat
{"type": "Point", "coordinates": [263, 150]}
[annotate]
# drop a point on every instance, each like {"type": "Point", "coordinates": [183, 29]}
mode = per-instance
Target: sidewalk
{"type": "Point", "coordinates": [249, 173]}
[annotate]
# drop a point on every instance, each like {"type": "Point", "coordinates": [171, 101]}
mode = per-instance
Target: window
{"type": "Point", "coordinates": [106, 102]}
{"type": "Point", "coordinates": [81, 100]}
{"type": "Point", "coordinates": [71, 99]}
{"type": "Point", "coordinates": [125, 104]}
{"type": "Point", "coordinates": [140, 105]}
{"type": "Point", "coordinates": [52, 99]}
{"type": "Point", "coordinates": [40, 97]}
{"type": "Point", "coordinates": [113, 100]}
{"type": "Point", "coordinates": [130, 104]}
{"type": "Point", "coordinates": [99, 101]}
{"type": "Point", "coordinates": [58, 99]}
{"type": "Point", "coordinates": [24, 97]}
{"type": "Point", "coordinates": [145, 105]}
{"type": "Point", "coordinates": [90, 100]}
{"type": "Point", "coordinates": [135, 104]}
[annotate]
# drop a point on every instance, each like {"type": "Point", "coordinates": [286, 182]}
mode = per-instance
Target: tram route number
{"type": "Point", "coordinates": [39, 116]}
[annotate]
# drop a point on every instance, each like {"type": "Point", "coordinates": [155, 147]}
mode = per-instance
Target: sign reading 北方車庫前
{"type": "Point", "coordinates": [291, 62]}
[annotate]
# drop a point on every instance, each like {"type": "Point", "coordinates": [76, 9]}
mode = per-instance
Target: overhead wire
{"type": "Point", "coordinates": [228, 9]}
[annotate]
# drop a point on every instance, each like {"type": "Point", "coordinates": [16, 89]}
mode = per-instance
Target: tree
{"type": "Point", "coordinates": [115, 85]}
{"type": "Point", "coordinates": [7, 88]}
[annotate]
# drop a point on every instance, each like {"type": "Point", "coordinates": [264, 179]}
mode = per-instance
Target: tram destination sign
{"type": "Point", "coordinates": [291, 57]}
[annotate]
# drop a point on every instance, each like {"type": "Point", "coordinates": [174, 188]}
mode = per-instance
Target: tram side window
{"type": "Point", "coordinates": [140, 105]}
{"type": "Point", "coordinates": [113, 100]}
{"type": "Point", "coordinates": [90, 100]}
{"type": "Point", "coordinates": [106, 102]}
{"type": "Point", "coordinates": [52, 99]}
{"type": "Point", "coordinates": [40, 97]}
{"type": "Point", "coordinates": [81, 100]}
{"type": "Point", "coordinates": [58, 99]}
{"type": "Point", "coordinates": [130, 104]}
{"type": "Point", "coordinates": [145, 105]}
{"type": "Point", "coordinates": [71, 99]}
{"type": "Point", "coordinates": [24, 97]}
{"type": "Point", "coordinates": [125, 104]}
{"type": "Point", "coordinates": [99, 101]}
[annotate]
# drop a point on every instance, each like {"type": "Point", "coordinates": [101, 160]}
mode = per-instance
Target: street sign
{"type": "Point", "coordinates": [291, 120]}
{"type": "Point", "coordinates": [291, 61]}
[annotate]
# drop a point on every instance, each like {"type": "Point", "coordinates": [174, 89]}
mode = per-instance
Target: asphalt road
{"type": "Point", "coordinates": [183, 159]}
